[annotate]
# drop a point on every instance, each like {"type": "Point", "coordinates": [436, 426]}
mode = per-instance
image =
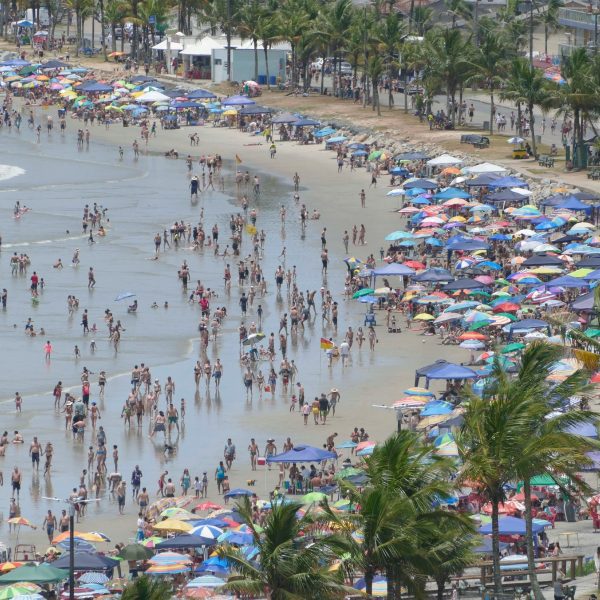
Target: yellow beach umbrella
{"type": "Point", "coordinates": [546, 270]}
{"type": "Point", "coordinates": [230, 112]}
{"type": "Point", "coordinates": [173, 525]}
{"type": "Point", "coordinates": [424, 317]}
{"type": "Point", "coordinates": [581, 272]}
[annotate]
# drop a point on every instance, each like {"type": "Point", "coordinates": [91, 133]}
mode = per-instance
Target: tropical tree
{"type": "Point", "coordinates": [339, 17]}
{"type": "Point", "coordinates": [294, 22]}
{"type": "Point", "coordinates": [389, 33]}
{"type": "Point", "coordinates": [550, 20]}
{"type": "Point", "coordinates": [83, 9]}
{"type": "Point", "coordinates": [527, 86]}
{"type": "Point", "coordinates": [249, 27]}
{"type": "Point", "coordinates": [458, 9]}
{"type": "Point", "coordinates": [292, 565]}
{"type": "Point", "coordinates": [422, 19]}
{"type": "Point", "coordinates": [375, 69]}
{"type": "Point", "coordinates": [512, 433]}
{"type": "Point", "coordinates": [147, 588]}
{"type": "Point", "coordinates": [268, 32]}
{"type": "Point", "coordinates": [578, 97]}
{"type": "Point", "coordinates": [549, 448]}
{"type": "Point", "coordinates": [488, 62]}
{"type": "Point", "coordinates": [448, 53]}
{"type": "Point", "coordinates": [114, 14]}
{"type": "Point", "coordinates": [406, 479]}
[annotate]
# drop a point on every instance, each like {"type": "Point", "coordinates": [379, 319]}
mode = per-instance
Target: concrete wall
{"type": "Point", "coordinates": [243, 64]}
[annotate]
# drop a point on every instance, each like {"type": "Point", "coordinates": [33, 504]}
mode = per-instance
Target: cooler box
{"type": "Point", "coordinates": [261, 460]}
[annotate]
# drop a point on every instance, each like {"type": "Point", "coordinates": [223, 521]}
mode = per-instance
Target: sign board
{"type": "Point", "coordinates": [152, 20]}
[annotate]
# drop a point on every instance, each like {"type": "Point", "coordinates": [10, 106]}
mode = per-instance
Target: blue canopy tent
{"type": "Point", "coordinates": [574, 204]}
{"type": "Point", "coordinates": [284, 118]}
{"type": "Point", "coordinates": [584, 303]}
{"type": "Point", "coordinates": [451, 192]}
{"type": "Point", "coordinates": [424, 184]}
{"type": "Point", "coordinates": [464, 284]}
{"type": "Point", "coordinates": [513, 526]}
{"type": "Point", "coordinates": [200, 93]}
{"type": "Point", "coordinates": [324, 132]}
{"type": "Point", "coordinates": [237, 101]}
{"type": "Point", "coordinates": [442, 369]}
{"type": "Point", "coordinates": [508, 182]}
{"type": "Point", "coordinates": [543, 260]}
{"type": "Point", "coordinates": [186, 104]}
{"type": "Point", "coordinates": [568, 281]}
{"type": "Point", "coordinates": [100, 88]}
{"type": "Point", "coordinates": [465, 244]}
{"type": "Point", "coordinates": [526, 325]}
{"type": "Point", "coordinates": [435, 274]}
{"type": "Point", "coordinates": [306, 123]}
{"type": "Point", "coordinates": [481, 180]}
{"type": "Point", "coordinates": [505, 196]}
{"type": "Point", "coordinates": [392, 269]}
{"type": "Point", "coordinates": [255, 110]}
{"type": "Point", "coordinates": [302, 453]}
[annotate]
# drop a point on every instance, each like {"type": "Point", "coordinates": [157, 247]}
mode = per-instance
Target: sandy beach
{"type": "Point", "coordinates": [371, 378]}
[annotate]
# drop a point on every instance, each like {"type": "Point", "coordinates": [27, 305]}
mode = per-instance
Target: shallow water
{"type": "Point", "coordinates": [142, 198]}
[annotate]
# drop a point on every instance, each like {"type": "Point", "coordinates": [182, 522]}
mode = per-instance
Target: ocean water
{"type": "Point", "coordinates": [55, 180]}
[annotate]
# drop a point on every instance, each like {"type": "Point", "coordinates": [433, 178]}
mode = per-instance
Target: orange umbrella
{"type": "Point", "coordinates": [21, 521]}
{"type": "Point", "coordinates": [451, 171]}
{"type": "Point", "coordinates": [9, 566]}
{"type": "Point", "coordinates": [472, 335]}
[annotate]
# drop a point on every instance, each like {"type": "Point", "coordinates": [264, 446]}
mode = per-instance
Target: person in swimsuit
{"type": "Point", "coordinates": [254, 452]}
{"type": "Point", "coordinates": [50, 525]}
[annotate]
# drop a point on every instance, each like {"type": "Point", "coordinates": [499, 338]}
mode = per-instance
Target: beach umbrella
{"type": "Point", "coordinates": [360, 293]}
{"type": "Point", "coordinates": [367, 451]}
{"type": "Point", "coordinates": [472, 345]}
{"type": "Point", "coordinates": [9, 566]}
{"type": "Point", "coordinates": [347, 444]}
{"type": "Point", "coordinates": [379, 586]}
{"type": "Point", "coordinates": [436, 408]}
{"type": "Point", "coordinates": [43, 573]}
{"type": "Point", "coordinates": [253, 338]}
{"type": "Point", "coordinates": [424, 317]}
{"type": "Point", "coordinates": [514, 347]}
{"type": "Point", "coordinates": [205, 581]}
{"type": "Point", "coordinates": [173, 525]}
{"type": "Point", "coordinates": [208, 505]}
{"type": "Point", "coordinates": [207, 531]}
{"type": "Point", "coordinates": [94, 577]}
{"type": "Point", "coordinates": [168, 569]}
{"type": "Point", "coordinates": [135, 552]}
{"type": "Point", "coordinates": [313, 498]}
{"type": "Point", "coordinates": [237, 538]}
{"type": "Point", "coordinates": [168, 558]}
{"type": "Point", "coordinates": [18, 590]}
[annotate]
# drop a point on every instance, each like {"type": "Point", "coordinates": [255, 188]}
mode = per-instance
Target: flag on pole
{"type": "Point", "coordinates": [238, 160]}
{"type": "Point", "coordinates": [326, 344]}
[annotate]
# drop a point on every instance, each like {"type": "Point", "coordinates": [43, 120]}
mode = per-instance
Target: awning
{"type": "Point", "coordinates": [163, 46]}
{"type": "Point", "coordinates": [203, 48]}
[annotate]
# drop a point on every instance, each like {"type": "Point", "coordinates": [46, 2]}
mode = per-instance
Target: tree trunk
{"type": "Point", "coordinates": [390, 92]}
{"type": "Point", "coordinates": [496, 548]}
{"type": "Point", "coordinates": [535, 586]}
{"type": "Point", "coordinates": [491, 109]}
{"type": "Point", "coordinates": [103, 34]}
{"type": "Point", "coordinates": [534, 150]}
{"type": "Point", "coordinates": [546, 39]}
{"type": "Point", "coordinates": [369, 574]}
{"type": "Point", "coordinates": [255, 42]}
{"type": "Point", "coordinates": [441, 588]}
{"type": "Point", "coordinates": [113, 35]}
{"type": "Point", "coordinates": [376, 103]}
{"type": "Point", "coordinates": [267, 65]}
{"type": "Point", "coordinates": [323, 76]}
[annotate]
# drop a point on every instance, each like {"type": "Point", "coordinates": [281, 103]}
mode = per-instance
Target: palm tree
{"type": "Point", "coordinates": [527, 86]}
{"type": "Point", "coordinates": [338, 21]}
{"type": "Point", "coordinates": [548, 448]}
{"type": "Point", "coordinates": [493, 424]}
{"type": "Point", "coordinates": [147, 588]}
{"type": "Point", "coordinates": [550, 20]}
{"type": "Point", "coordinates": [388, 34]}
{"type": "Point", "coordinates": [268, 32]}
{"type": "Point", "coordinates": [488, 62]}
{"type": "Point", "coordinates": [458, 9]}
{"type": "Point", "coordinates": [114, 13]}
{"type": "Point", "coordinates": [292, 565]}
{"type": "Point", "coordinates": [249, 26]}
{"type": "Point", "coordinates": [294, 22]}
{"type": "Point", "coordinates": [578, 96]}
{"type": "Point", "coordinates": [396, 517]}
{"type": "Point", "coordinates": [422, 18]}
{"type": "Point", "coordinates": [83, 9]}
{"type": "Point", "coordinates": [448, 55]}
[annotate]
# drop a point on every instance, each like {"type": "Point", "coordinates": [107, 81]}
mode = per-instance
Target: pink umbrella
{"type": "Point", "coordinates": [485, 279]}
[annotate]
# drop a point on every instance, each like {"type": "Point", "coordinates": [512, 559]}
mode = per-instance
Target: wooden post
{"type": "Point", "coordinates": [573, 568]}
{"type": "Point", "coordinates": [554, 569]}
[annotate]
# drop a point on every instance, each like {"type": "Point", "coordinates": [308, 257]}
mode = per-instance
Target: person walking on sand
{"type": "Point", "coordinates": [363, 197]}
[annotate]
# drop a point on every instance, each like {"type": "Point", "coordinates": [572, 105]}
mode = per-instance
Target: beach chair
{"type": "Point", "coordinates": [370, 320]}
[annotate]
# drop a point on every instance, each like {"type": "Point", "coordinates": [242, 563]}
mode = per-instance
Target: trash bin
{"type": "Point", "coordinates": [486, 126]}
{"type": "Point", "coordinates": [262, 80]}
{"type": "Point", "coordinates": [273, 80]}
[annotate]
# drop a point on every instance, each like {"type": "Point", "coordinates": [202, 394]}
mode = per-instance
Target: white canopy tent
{"type": "Point", "coordinates": [164, 45]}
{"type": "Point", "coordinates": [485, 167]}
{"type": "Point", "coordinates": [444, 160]}
{"type": "Point", "coordinates": [153, 97]}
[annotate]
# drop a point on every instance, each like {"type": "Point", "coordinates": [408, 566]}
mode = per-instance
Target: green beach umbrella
{"type": "Point", "coordinates": [348, 472]}
{"type": "Point", "coordinates": [512, 347]}
{"type": "Point", "coordinates": [363, 292]}
{"type": "Point", "coordinates": [478, 325]}
{"type": "Point", "coordinates": [503, 281]}
{"type": "Point", "coordinates": [313, 497]}
{"type": "Point", "coordinates": [375, 154]}
{"type": "Point", "coordinates": [478, 293]}
{"type": "Point", "coordinates": [43, 573]}
{"type": "Point", "coordinates": [19, 589]}
{"type": "Point", "coordinates": [507, 315]}
{"type": "Point", "coordinates": [135, 552]}
{"type": "Point", "coordinates": [591, 332]}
